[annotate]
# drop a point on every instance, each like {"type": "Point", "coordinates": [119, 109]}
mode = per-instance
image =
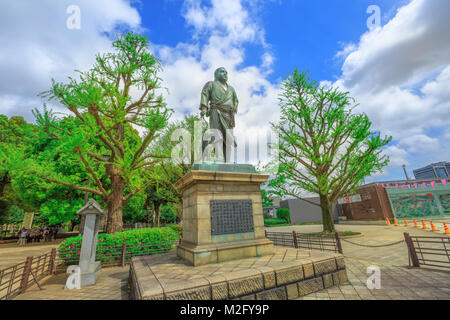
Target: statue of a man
{"type": "Point", "coordinates": [219, 102]}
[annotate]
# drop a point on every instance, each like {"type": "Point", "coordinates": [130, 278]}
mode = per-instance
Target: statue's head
{"type": "Point", "coordinates": [221, 74]}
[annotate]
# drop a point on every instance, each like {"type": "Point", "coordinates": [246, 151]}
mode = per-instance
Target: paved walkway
{"type": "Point", "coordinates": [397, 280]}
{"type": "Point", "coordinates": [12, 254]}
{"type": "Point", "coordinates": [396, 283]}
{"type": "Point", "coordinates": [112, 284]}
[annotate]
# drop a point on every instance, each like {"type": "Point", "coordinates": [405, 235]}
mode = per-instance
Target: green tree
{"type": "Point", "coordinates": [324, 147]}
{"type": "Point", "coordinates": [15, 133]}
{"type": "Point", "coordinates": [162, 191]}
{"type": "Point", "coordinates": [119, 91]}
{"type": "Point", "coordinates": [267, 201]}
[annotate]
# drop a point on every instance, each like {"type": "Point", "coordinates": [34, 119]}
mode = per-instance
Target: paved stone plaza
{"type": "Point", "coordinates": [286, 274]}
{"type": "Point", "coordinates": [397, 281]}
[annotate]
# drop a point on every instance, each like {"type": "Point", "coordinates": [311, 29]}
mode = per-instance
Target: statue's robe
{"type": "Point", "coordinates": [221, 105]}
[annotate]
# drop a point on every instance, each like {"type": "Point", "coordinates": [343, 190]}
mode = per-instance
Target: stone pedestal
{"type": "Point", "coordinates": [222, 214]}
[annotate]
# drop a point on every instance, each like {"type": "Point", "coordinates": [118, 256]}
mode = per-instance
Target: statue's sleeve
{"type": "Point", "coordinates": [235, 101]}
{"type": "Point", "coordinates": [205, 96]}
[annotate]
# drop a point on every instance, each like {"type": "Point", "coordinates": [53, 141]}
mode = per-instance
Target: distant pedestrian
{"type": "Point", "coordinates": [45, 235]}
{"type": "Point", "coordinates": [55, 233]}
{"type": "Point", "coordinates": [22, 237]}
{"type": "Point", "coordinates": [38, 235]}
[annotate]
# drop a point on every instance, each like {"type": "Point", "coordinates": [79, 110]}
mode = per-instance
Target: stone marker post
{"type": "Point", "coordinates": [89, 268]}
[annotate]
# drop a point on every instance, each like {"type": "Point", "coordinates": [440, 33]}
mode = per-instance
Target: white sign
{"type": "Point", "coordinates": [350, 199]}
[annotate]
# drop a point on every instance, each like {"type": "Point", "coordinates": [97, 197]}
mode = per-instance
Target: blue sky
{"type": "Point", "coordinates": [399, 72]}
{"type": "Point", "coordinates": [299, 33]}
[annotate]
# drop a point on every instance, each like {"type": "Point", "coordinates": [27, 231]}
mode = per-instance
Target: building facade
{"type": "Point", "coordinates": [372, 204]}
{"type": "Point", "coordinates": [302, 211]}
{"type": "Point", "coordinates": [408, 199]}
{"type": "Point", "coordinates": [438, 170]}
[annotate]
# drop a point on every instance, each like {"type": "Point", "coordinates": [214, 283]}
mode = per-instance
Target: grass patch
{"type": "Point", "coordinates": [307, 223]}
{"type": "Point", "coordinates": [275, 223]}
{"type": "Point", "coordinates": [341, 233]}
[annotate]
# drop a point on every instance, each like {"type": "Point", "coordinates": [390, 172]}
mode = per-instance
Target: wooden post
{"type": "Point", "coordinates": [124, 252]}
{"type": "Point", "coordinates": [52, 263]}
{"type": "Point", "coordinates": [338, 243]}
{"type": "Point", "coordinates": [411, 250]}
{"type": "Point", "coordinates": [26, 274]}
{"type": "Point", "coordinates": [294, 235]}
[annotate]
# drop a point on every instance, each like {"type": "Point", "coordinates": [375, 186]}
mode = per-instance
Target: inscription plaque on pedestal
{"type": "Point", "coordinates": [231, 216]}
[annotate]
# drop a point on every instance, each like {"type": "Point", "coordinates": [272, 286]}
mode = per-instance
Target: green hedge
{"type": "Point", "coordinates": [177, 227]}
{"type": "Point", "coordinates": [274, 222]}
{"type": "Point", "coordinates": [283, 213]}
{"type": "Point", "coordinates": [69, 249]}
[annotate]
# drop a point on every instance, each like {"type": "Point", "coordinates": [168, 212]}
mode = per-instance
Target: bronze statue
{"type": "Point", "coordinates": [219, 102]}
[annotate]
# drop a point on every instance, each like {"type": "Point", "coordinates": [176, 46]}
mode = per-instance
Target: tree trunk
{"type": "Point", "coordinates": [115, 202]}
{"type": "Point", "coordinates": [157, 206]}
{"type": "Point", "coordinates": [327, 214]}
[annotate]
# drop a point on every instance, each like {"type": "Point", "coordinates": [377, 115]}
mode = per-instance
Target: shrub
{"type": "Point", "coordinates": [177, 227]}
{"type": "Point", "coordinates": [109, 246]}
{"type": "Point", "coordinates": [283, 213]}
{"type": "Point", "coordinates": [274, 222]}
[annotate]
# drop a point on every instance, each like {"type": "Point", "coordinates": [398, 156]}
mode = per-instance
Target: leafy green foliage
{"type": "Point", "coordinates": [99, 142]}
{"type": "Point", "coordinates": [274, 222]}
{"type": "Point", "coordinates": [267, 201]}
{"type": "Point", "coordinates": [177, 227]}
{"type": "Point", "coordinates": [324, 148]}
{"type": "Point", "coordinates": [284, 213]}
{"type": "Point", "coordinates": [167, 214]}
{"type": "Point", "coordinates": [109, 245]}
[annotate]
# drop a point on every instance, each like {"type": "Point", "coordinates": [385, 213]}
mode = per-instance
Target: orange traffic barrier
{"type": "Point", "coordinates": [416, 225]}
{"type": "Point", "coordinates": [446, 230]}
{"type": "Point", "coordinates": [433, 227]}
{"type": "Point", "coordinates": [424, 225]}
{"type": "Point", "coordinates": [406, 223]}
{"type": "Point", "coordinates": [387, 222]}
{"type": "Point", "coordinates": [395, 222]}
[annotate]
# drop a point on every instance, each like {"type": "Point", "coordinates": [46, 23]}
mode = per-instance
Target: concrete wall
{"type": "Point", "coordinates": [302, 211]}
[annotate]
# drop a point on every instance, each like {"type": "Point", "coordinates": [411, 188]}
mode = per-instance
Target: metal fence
{"type": "Point", "coordinates": [428, 251]}
{"type": "Point", "coordinates": [322, 242]}
{"type": "Point", "coordinates": [16, 279]}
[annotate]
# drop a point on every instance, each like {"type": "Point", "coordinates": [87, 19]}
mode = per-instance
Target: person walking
{"type": "Point", "coordinates": [44, 234]}
{"type": "Point", "coordinates": [22, 237]}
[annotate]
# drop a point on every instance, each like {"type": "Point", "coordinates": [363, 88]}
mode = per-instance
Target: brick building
{"type": "Point", "coordinates": [411, 199]}
{"type": "Point", "coordinates": [371, 203]}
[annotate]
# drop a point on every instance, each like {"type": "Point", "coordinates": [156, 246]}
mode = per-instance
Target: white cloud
{"type": "Point", "coordinates": [220, 33]}
{"type": "Point", "coordinates": [400, 75]}
{"type": "Point", "coordinates": [414, 44]}
{"type": "Point", "coordinates": [419, 143]}
{"type": "Point", "coordinates": [37, 45]}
